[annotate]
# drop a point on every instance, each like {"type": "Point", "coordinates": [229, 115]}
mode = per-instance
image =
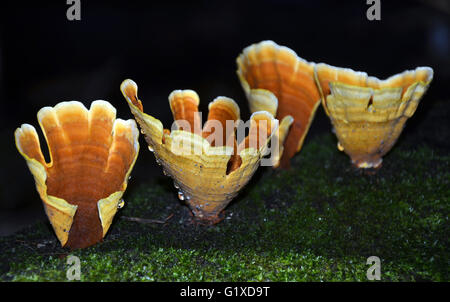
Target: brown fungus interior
{"type": "Point", "coordinates": [184, 106]}
{"type": "Point", "coordinates": [222, 109]}
{"type": "Point", "coordinates": [131, 92]}
{"type": "Point", "coordinates": [294, 88]}
{"type": "Point", "coordinates": [90, 156]}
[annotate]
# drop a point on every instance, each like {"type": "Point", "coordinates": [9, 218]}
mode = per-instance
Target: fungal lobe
{"type": "Point", "coordinates": [184, 106]}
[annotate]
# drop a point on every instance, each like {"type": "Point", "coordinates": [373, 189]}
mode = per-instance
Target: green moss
{"type": "Point", "coordinates": [318, 221]}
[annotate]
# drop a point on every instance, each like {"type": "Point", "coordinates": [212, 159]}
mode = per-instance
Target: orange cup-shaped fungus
{"type": "Point", "coordinates": [369, 114]}
{"type": "Point", "coordinates": [91, 157]}
{"type": "Point", "coordinates": [275, 79]}
{"type": "Point", "coordinates": [208, 167]}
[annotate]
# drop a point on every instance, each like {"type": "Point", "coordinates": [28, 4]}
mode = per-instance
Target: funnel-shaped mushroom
{"type": "Point", "coordinates": [208, 167]}
{"type": "Point", "coordinates": [275, 79]}
{"type": "Point", "coordinates": [369, 114]}
{"type": "Point", "coordinates": [91, 156]}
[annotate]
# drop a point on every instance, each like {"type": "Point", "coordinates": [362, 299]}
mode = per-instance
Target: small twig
{"type": "Point", "coordinates": [144, 220]}
{"type": "Point", "coordinates": [25, 244]}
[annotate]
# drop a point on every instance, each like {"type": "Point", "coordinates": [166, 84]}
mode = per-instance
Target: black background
{"type": "Point", "coordinates": [46, 59]}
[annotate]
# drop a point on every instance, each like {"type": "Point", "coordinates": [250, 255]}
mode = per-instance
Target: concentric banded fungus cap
{"type": "Point", "coordinates": [369, 114]}
{"type": "Point", "coordinates": [208, 167]}
{"type": "Point", "coordinates": [91, 157]}
{"type": "Point", "coordinates": [275, 79]}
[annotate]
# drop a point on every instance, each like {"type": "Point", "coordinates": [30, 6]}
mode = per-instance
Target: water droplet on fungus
{"type": "Point", "coordinates": [121, 204]}
{"type": "Point", "coordinates": [180, 195]}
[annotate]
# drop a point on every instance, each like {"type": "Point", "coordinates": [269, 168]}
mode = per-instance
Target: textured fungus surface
{"type": "Point", "coordinates": [91, 155]}
{"type": "Point", "coordinates": [208, 170]}
{"type": "Point", "coordinates": [369, 114]}
{"type": "Point", "coordinates": [275, 79]}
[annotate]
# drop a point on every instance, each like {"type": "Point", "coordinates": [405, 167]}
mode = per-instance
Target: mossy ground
{"type": "Point", "coordinates": [319, 221]}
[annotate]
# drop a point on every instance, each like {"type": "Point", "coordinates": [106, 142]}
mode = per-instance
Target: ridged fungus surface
{"type": "Point", "coordinates": [275, 79]}
{"type": "Point", "coordinates": [368, 114]}
{"type": "Point", "coordinates": [91, 157]}
{"type": "Point", "coordinates": [208, 170]}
